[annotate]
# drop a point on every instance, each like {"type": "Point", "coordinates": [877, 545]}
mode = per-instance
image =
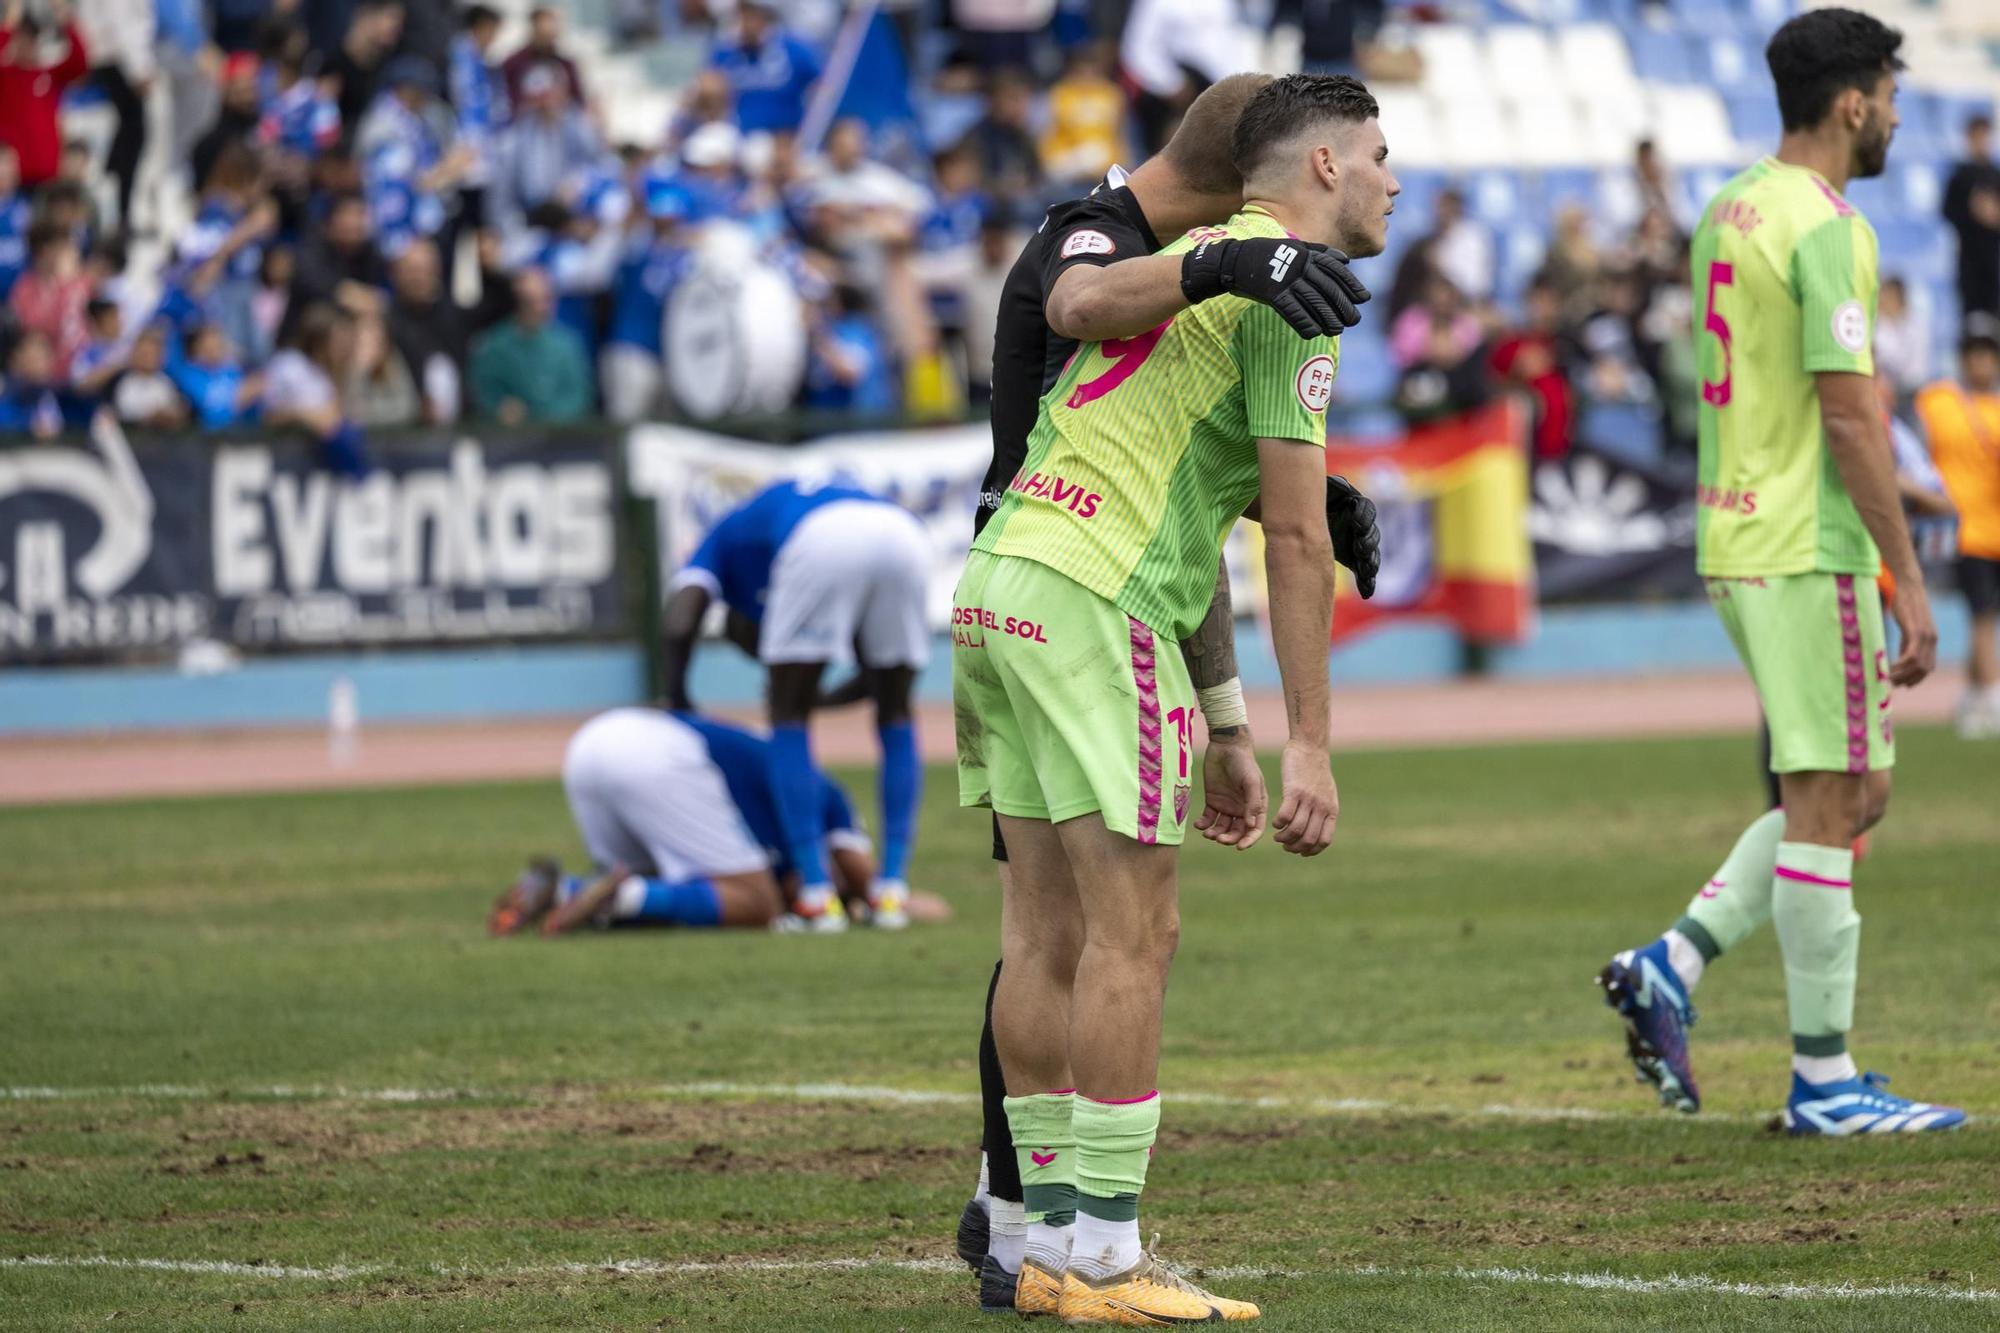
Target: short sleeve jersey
{"type": "Point", "coordinates": [734, 560]}
{"type": "Point", "coordinates": [1145, 451]}
{"type": "Point", "coordinates": [1103, 227]}
{"type": "Point", "coordinates": [1784, 288]}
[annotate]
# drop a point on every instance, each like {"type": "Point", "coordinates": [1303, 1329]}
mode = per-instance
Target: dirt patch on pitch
{"type": "Point", "coordinates": [713, 1137]}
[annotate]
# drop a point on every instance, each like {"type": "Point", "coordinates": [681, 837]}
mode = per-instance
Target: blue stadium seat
{"type": "Point", "coordinates": [1920, 249]}
{"type": "Point", "coordinates": [1568, 185]}
{"type": "Point", "coordinates": [1708, 18]}
{"type": "Point", "coordinates": [1755, 120]}
{"type": "Point", "coordinates": [1495, 197]}
{"type": "Point", "coordinates": [1662, 56]}
{"type": "Point", "coordinates": [1730, 64]}
{"type": "Point", "coordinates": [1367, 376]}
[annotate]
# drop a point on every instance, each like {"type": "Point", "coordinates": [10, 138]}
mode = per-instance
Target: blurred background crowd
{"type": "Point", "coordinates": [338, 215]}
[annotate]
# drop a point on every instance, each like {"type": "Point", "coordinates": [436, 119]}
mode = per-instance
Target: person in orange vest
{"type": "Point", "coordinates": [1961, 419]}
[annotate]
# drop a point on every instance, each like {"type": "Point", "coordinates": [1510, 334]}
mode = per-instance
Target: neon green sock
{"type": "Point", "coordinates": [1045, 1146]}
{"type": "Point", "coordinates": [1114, 1141]}
{"type": "Point", "coordinates": [1812, 903]}
{"type": "Point", "coordinates": [1738, 899]}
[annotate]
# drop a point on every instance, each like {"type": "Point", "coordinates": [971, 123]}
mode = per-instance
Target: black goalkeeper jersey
{"type": "Point", "coordinates": [1103, 227]}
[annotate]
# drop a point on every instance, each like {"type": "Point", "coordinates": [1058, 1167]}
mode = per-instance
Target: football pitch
{"type": "Point", "coordinates": [262, 1070]}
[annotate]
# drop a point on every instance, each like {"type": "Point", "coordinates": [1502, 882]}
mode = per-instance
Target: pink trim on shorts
{"type": "Point", "coordinates": [1059, 1092]}
{"type": "Point", "coordinates": [1123, 1101]}
{"type": "Point", "coordinates": [1146, 681]}
{"type": "Point", "coordinates": [1850, 657]}
{"type": "Point", "coordinates": [1807, 877]}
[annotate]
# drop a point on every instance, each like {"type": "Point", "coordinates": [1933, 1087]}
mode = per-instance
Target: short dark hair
{"type": "Point", "coordinates": [1978, 123]}
{"type": "Point", "coordinates": [1288, 105]}
{"type": "Point", "coordinates": [477, 14]}
{"type": "Point", "coordinates": [1822, 53]}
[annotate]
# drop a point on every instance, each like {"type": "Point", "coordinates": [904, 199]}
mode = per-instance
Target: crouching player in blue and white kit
{"type": "Point", "coordinates": [823, 572]}
{"type": "Point", "coordinates": [679, 817]}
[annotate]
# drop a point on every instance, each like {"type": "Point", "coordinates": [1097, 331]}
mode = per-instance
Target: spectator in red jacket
{"type": "Point", "coordinates": [1536, 358]}
{"type": "Point", "coordinates": [30, 90]}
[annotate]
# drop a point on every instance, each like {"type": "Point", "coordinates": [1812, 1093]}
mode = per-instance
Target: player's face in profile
{"type": "Point", "coordinates": [1367, 193]}
{"type": "Point", "coordinates": [1878, 126]}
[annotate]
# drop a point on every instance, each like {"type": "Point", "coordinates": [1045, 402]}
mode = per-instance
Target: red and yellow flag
{"type": "Point", "coordinates": [1453, 501]}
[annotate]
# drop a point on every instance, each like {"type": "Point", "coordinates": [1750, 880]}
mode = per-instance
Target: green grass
{"type": "Point", "coordinates": [1438, 958]}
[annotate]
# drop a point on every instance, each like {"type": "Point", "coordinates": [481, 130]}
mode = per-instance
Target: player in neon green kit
{"type": "Point", "coordinates": [1075, 716]}
{"type": "Point", "coordinates": [1798, 509]}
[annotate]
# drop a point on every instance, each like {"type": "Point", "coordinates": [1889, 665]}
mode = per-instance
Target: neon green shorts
{"type": "Point", "coordinates": [1066, 705]}
{"type": "Point", "coordinates": [1816, 651]}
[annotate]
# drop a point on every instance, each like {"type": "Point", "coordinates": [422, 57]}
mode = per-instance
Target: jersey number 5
{"type": "Point", "coordinates": [1716, 392]}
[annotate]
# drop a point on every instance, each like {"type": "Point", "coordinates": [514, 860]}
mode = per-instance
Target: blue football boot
{"type": "Point", "coordinates": [1648, 994]}
{"type": "Point", "coordinates": [1859, 1106]}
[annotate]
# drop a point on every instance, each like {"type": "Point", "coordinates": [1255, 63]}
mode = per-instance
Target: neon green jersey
{"type": "Point", "coordinates": [1145, 451]}
{"type": "Point", "coordinates": [1784, 286]}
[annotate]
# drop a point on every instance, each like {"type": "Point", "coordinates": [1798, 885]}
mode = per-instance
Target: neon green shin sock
{"type": "Point", "coordinates": [1812, 903]}
{"type": "Point", "coordinates": [1114, 1143]}
{"type": "Point", "coordinates": [1738, 899]}
{"type": "Point", "coordinates": [1045, 1146]}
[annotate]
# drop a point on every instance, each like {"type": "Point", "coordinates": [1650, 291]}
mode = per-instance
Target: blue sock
{"type": "Point", "coordinates": [694, 903]}
{"type": "Point", "coordinates": [902, 786]}
{"type": "Point", "coordinates": [794, 783]}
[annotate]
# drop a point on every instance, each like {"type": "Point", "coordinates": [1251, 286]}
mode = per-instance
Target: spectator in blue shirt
{"type": "Point", "coordinates": [769, 68]}
{"type": "Point", "coordinates": [31, 403]}
{"type": "Point", "coordinates": [851, 369]}
{"type": "Point", "coordinates": [480, 98]}
{"type": "Point", "coordinates": [543, 155]}
{"type": "Point", "coordinates": [15, 215]}
{"type": "Point", "coordinates": [948, 234]}
{"type": "Point", "coordinates": [213, 381]}
{"type": "Point", "coordinates": [98, 362]}
{"type": "Point", "coordinates": [411, 162]}
{"type": "Point", "coordinates": [656, 256]}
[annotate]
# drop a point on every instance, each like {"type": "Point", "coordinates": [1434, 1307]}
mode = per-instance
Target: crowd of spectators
{"type": "Point", "coordinates": [399, 219]}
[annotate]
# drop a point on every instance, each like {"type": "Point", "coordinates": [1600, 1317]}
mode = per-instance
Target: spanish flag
{"type": "Point", "coordinates": [1453, 502]}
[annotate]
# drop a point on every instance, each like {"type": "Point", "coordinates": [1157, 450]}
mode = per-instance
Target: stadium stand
{"type": "Point", "coordinates": [1532, 108]}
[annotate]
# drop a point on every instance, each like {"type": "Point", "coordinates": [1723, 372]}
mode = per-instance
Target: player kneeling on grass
{"type": "Point", "coordinates": [678, 814]}
{"type": "Point", "coordinates": [1799, 507]}
{"type": "Point", "coordinates": [818, 572]}
{"type": "Point", "coordinates": [1076, 716]}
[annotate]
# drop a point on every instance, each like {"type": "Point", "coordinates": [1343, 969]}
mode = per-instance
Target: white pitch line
{"type": "Point", "coordinates": [861, 1092]}
{"type": "Point", "coordinates": [1672, 1284]}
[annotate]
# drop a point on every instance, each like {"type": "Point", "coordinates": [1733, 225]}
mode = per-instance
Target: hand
{"type": "Point", "coordinates": [1307, 284]}
{"type": "Point", "coordinates": [1357, 541]}
{"type": "Point", "coordinates": [1912, 609]}
{"type": "Point", "coordinates": [1311, 805]}
{"type": "Point", "coordinates": [1232, 791]}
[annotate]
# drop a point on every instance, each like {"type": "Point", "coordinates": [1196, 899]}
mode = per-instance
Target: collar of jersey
{"type": "Point", "coordinates": [1780, 164]}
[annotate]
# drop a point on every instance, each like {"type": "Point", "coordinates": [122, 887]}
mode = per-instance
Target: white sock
{"type": "Point", "coordinates": [1102, 1248]}
{"type": "Point", "coordinates": [1819, 1070]}
{"type": "Point", "coordinates": [1007, 1238]}
{"type": "Point", "coordinates": [1048, 1246]}
{"type": "Point", "coordinates": [983, 1195]}
{"type": "Point", "coordinates": [1686, 959]}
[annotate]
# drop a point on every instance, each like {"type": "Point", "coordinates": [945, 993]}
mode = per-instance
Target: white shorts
{"type": "Point", "coordinates": [853, 569]}
{"type": "Point", "coordinates": [645, 794]}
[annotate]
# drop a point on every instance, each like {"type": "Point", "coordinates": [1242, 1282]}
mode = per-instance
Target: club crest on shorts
{"type": "Point", "coordinates": [1180, 802]}
{"type": "Point", "coordinates": [1315, 383]}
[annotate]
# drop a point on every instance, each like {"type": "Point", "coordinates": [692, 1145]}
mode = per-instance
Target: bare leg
{"type": "Point", "coordinates": [1041, 938]}
{"type": "Point", "coordinates": [750, 899]}
{"type": "Point", "coordinates": [1129, 893]}
{"type": "Point", "coordinates": [1984, 668]}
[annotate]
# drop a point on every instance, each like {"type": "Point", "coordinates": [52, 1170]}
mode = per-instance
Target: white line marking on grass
{"type": "Point", "coordinates": [1672, 1284]}
{"type": "Point", "coordinates": [861, 1092]}
{"type": "Point", "coordinates": [284, 1092]}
